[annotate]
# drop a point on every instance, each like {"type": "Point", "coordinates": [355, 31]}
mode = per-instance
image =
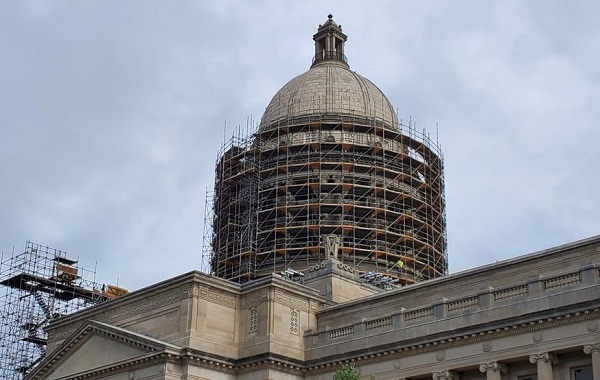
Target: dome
{"type": "Point", "coordinates": [329, 90]}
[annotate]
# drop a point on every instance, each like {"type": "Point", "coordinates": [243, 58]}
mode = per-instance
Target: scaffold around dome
{"type": "Point", "coordinates": [330, 171]}
{"type": "Point", "coordinates": [279, 193]}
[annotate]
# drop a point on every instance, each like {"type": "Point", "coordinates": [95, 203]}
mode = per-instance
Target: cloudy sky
{"type": "Point", "coordinates": [112, 112]}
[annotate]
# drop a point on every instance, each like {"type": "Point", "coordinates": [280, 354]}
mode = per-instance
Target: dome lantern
{"type": "Point", "coordinates": [329, 43]}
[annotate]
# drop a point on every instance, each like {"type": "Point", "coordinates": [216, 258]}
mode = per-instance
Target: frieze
{"type": "Point", "coordinates": [345, 267]}
{"type": "Point", "coordinates": [292, 302]}
{"type": "Point", "coordinates": [220, 299]}
{"type": "Point", "coordinates": [64, 332]}
{"type": "Point", "coordinates": [254, 299]}
{"type": "Point", "coordinates": [140, 307]}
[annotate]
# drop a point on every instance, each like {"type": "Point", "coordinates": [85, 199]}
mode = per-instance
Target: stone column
{"type": "Point", "coordinates": [544, 363]}
{"type": "Point", "coordinates": [594, 349]}
{"type": "Point", "coordinates": [445, 375]}
{"type": "Point", "coordinates": [493, 370]}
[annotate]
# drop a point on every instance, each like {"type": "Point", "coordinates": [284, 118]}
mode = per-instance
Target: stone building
{"type": "Point", "coordinates": [531, 317]}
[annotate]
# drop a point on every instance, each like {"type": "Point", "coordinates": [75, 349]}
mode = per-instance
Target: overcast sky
{"type": "Point", "coordinates": [112, 112]}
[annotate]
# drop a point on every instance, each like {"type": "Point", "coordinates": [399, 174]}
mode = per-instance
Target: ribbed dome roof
{"type": "Point", "coordinates": [329, 90]}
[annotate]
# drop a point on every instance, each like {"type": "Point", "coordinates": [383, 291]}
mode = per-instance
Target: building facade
{"type": "Point", "coordinates": [532, 317]}
{"type": "Point", "coordinates": [329, 197]}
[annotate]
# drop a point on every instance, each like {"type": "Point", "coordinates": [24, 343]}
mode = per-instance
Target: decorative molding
{"type": "Point", "coordinates": [219, 298]}
{"type": "Point", "coordinates": [255, 299]}
{"type": "Point", "coordinates": [147, 305]}
{"type": "Point", "coordinates": [589, 348]}
{"type": "Point", "coordinates": [295, 322]}
{"type": "Point", "coordinates": [487, 346]}
{"type": "Point", "coordinates": [440, 355]}
{"type": "Point", "coordinates": [444, 375]}
{"type": "Point", "coordinates": [493, 367]}
{"type": "Point", "coordinates": [317, 267]}
{"type": "Point", "coordinates": [592, 326]}
{"type": "Point", "coordinates": [291, 302]}
{"type": "Point", "coordinates": [331, 244]}
{"type": "Point", "coordinates": [544, 357]}
{"type": "Point", "coordinates": [253, 324]}
{"type": "Point", "coordinates": [345, 267]}
{"type": "Point", "coordinates": [537, 336]}
{"type": "Point", "coordinates": [63, 332]}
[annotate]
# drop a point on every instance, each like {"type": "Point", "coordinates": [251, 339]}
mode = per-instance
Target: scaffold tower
{"type": "Point", "coordinates": [329, 161]}
{"type": "Point", "coordinates": [37, 286]}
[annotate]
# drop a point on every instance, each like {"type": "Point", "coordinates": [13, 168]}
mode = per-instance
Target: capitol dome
{"type": "Point", "coordinates": [329, 91]}
{"type": "Point", "coordinates": [330, 173]}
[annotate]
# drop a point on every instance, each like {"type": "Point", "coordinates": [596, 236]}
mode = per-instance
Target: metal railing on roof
{"type": "Point", "coordinates": [330, 55]}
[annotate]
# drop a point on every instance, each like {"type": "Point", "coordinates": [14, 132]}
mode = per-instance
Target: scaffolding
{"type": "Point", "coordinates": [280, 190]}
{"type": "Point", "coordinates": [36, 287]}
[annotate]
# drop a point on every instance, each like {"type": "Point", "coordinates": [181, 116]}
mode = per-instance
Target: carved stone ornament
{"type": "Point", "coordinates": [493, 367]}
{"type": "Point", "coordinates": [445, 375]}
{"type": "Point", "coordinates": [486, 346]}
{"type": "Point", "coordinates": [332, 245]}
{"type": "Point", "coordinates": [545, 357]}
{"type": "Point", "coordinates": [592, 326]}
{"type": "Point", "coordinates": [589, 348]}
{"type": "Point", "coordinates": [440, 355]}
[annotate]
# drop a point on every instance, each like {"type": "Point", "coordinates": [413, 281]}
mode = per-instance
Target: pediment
{"type": "Point", "coordinates": [97, 346]}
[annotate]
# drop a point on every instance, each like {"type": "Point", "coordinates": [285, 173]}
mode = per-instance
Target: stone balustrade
{"type": "Point", "coordinates": [542, 295]}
